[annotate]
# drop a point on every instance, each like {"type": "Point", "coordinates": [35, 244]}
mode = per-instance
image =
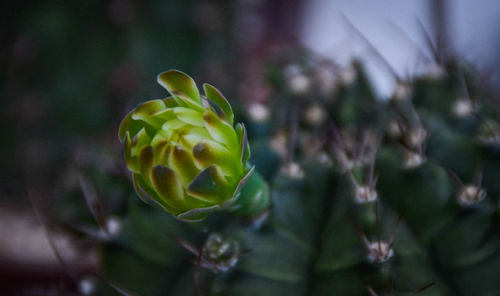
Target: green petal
{"type": "Point", "coordinates": [244, 178]}
{"type": "Point", "coordinates": [188, 102]}
{"type": "Point", "coordinates": [241, 131]}
{"type": "Point", "coordinates": [161, 136]}
{"type": "Point", "coordinates": [146, 162]}
{"type": "Point", "coordinates": [182, 162]}
{"type": "Point", "coordinates": [189, 116]}
{"type": "Point", "coordinates": [177, 81]}
{"type": "Point", "coordinates": [209, 186]}
{"type": "Point", "coordinates": [161, 151]}
{"type": "Point", "coordinates": [140, 141]}
{"type": "Point", "coordinates": [147, 195]}
{"type": "Point", "coordinates": [195, 135]}
{"type": "Point", "coordinates": [231, 204]}
{"type": "Point", "coordinates": [214, 95]}
{"type": "Point", "coordinates": [132, 162]}
{"type": "Point", "coordinates": [172, 126]}
{"type": "Point", "coordinates": [130, 125]}
{"type": "Point", "coordinates": [170, 102]}
{"type": "Point", "coordinates": [168, 186]}
{"type": "Point", "coordinates": [165, 115]}
{"type": "Point", "coordinates": [221, 131]}
{"type": "Point", "coordinates": [197, 214]}
{"type": "Point", "coordinates": [146, 110]}
{"type": "Point", "coordinates": [207, 153]}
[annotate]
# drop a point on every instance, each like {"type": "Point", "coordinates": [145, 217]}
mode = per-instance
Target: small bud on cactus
{"type": "Point", "coordinates": [379, 252]}
{"type": "Point", "coordinates": [413, 159]}
{"type": "Point", "coordinates": [220, 254]}
{"type": "Point", "coordinates": [258, 112]}
{"type": "Point", "coordinates": [462, 108]}
{"type": "Point", "coordinates": [185, 154]}
{"type": "Point", "coordinates": [489, 133]}
{"type": "Point", "coordinates": [470, 194]}
{"type": "Point", "coordinates": [365, 193]}
{"type": "Point", "coordinates": [402, 91]}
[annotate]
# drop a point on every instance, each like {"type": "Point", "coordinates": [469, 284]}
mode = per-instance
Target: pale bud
{"type": "Point", "coordinates": [435, 72]}
{"type": "Point", "coordinates": [402, 91]}
{"type": "Point", "coordinates": [113, 226]}
{"type": "Point", "coordinates": [413, 160]}
{"type": "Point", "coordinates": [86, 286]}
{"type": "Point", "coordinates": [348, 75]}
{"type": "Point", "coordinates": [278, 144]}
{"type": "Point", "coordinates": [299, 84]}
{"type": "Point", "coordinates": [394, 129]}
{"type": "Point", "coordinates": [379, 252]}
{"type": "Point", "coordinates": [292, 170]}
{"type": "Point", "coordinates": [416, 137]}
{"type": "Point", "coordinates": [470, 194]}
{"type": "Point", "coordinates": [258, 112]}
{"type": "Point", "coordinates": [327, 82]}
{"type": "Point", "coordinates": [315, 114]}
{"type": "Point", "coordinates": [364, 194]}
{"type": "Point", "coordinates": [462, 108]}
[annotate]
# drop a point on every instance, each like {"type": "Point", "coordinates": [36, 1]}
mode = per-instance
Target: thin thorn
{"type": "Point", "coordinates": [430, 43]}
{"type": "Point", "coordinates": [422, 289]}
{"type": "Point", "coordinates": [115, 287]}
{"type": "Point", "coordinates": [454, 177]}
{"type": "Point", "coordinates": [421, 52]}
{"type": "Point", "coordinates": [362, 235]}
{"type": "Point", "coordinates": [186, 245]}
{"type": "Point", "coordinates": [43, 220]}
{"type": "Point", "coordinates": [372, 47]}
{"type": "Point", "coordinates": [395, 229]}
{"type": "Point", "coordinates": [94, 203]}
{"type": "Point", "coordinates": [367, 287]}
{"type": "Point", "coordinates": [377, 226]}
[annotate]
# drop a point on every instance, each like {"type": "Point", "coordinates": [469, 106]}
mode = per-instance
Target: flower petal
{"type": "Point", "coordinates": [241, 131]}
{"type": "Point", "coordinates": [220, 131]}
{"type": "Point", "coordinates": [207, 153]}
{"type": "Point", "coordinates": [147, 195]}
{"type": "Point", "coordinates": [209, 186]}
{"type": "Point", "coordinates": [181, 161]}
{"type": "Point", "coordinates": [168, 186]}
{"type": "Point", "coordinates": [145, 111]}
{"type": "Point", "coordinates": [189, 116]}
{"type": "Point", "coordinates": [214, 95]}
{"type": "Point", "coordinates": [177, 81]}
{"type": "Point", "coordinates": [132, 162]}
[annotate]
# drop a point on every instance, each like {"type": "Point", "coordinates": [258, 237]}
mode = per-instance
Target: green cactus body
{"type": "Point", "coordinates": [407, 203]}
{"type": "Point", "coordinates": [186, 156]}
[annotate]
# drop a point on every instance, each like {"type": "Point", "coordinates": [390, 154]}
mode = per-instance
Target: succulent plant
{"type": "Point", "coordinates": [398, 195]}
{"type": "Point", "coordinates": [186, 156]}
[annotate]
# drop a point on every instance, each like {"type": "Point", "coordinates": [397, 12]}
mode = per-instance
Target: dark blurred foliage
{"type": "Point", "coordinates": [71, 69]}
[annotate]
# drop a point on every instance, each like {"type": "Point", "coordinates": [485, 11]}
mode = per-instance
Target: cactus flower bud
{"type": "Point", "coordinates": [186, 156]}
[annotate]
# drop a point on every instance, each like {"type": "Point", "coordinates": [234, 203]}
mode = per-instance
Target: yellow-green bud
{"type": "Point", "coordinates": [184, 153]}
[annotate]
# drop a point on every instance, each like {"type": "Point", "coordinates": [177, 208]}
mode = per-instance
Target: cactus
{"type": "Point", "coordinates": [367, 196]}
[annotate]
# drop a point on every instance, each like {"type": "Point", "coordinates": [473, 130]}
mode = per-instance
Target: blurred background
{"type": "Point", "coordinates": [70, 70]}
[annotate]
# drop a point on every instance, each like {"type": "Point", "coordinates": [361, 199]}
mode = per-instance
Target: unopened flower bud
{"type": "Point", "coordinates": [402, 91]}
{"type": "Point", "coordinates": [184, 152]}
